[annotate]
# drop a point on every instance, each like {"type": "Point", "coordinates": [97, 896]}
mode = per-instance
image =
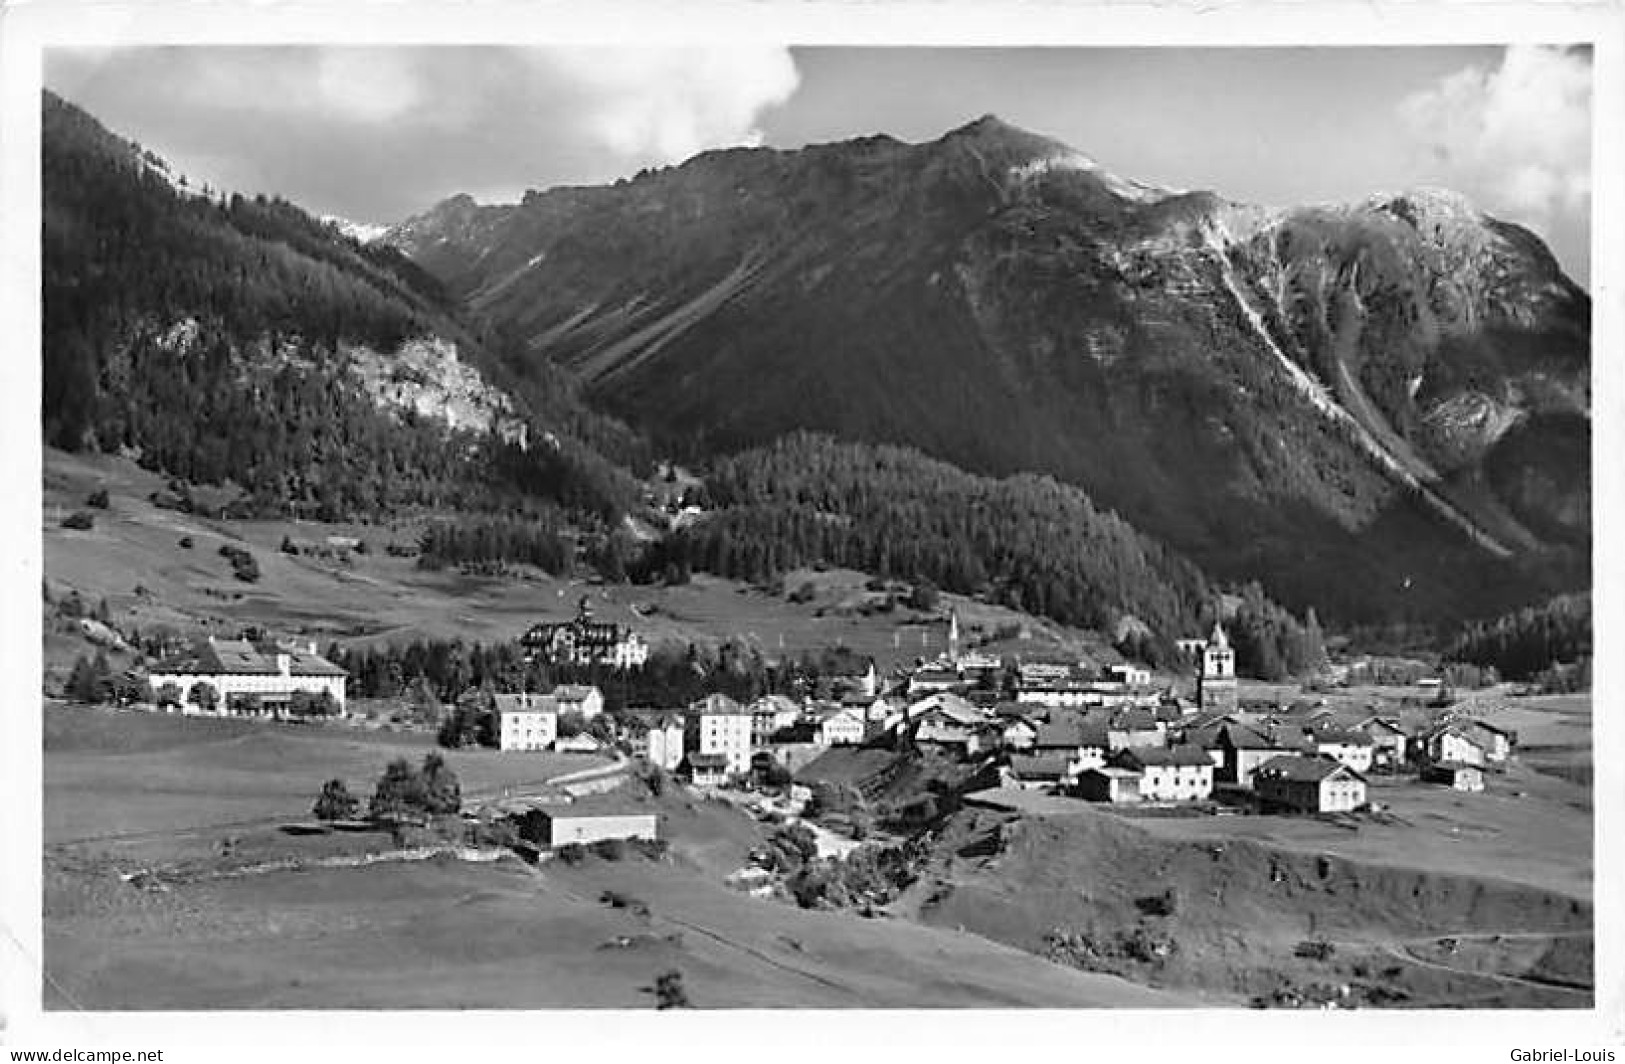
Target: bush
{"type": "Point", "coordinates": [1164, 904]}
{"type": "Point", "coordinates": [336, 802]}
{"type": "Point", "coordinates": [79, 520]}
{"type": "Point", "coordinates": [616, 900]}
{"type": "Point", "coordinates": [98, 499]}
{"type": "Point", "coordinates": [669, 992]}
{"type": "Point", "coordinates": [572, 853]}
{"type": "Point", "coordinates": [1315, 950]}
{"type": "Point", "coordinates": [288, 546]}
{"type": "Point", "coordinates": [186, 543]}
{"type": "Point", "coordinates": [609, 849]}
{"type": "Point", "coordinates": [243, 564]}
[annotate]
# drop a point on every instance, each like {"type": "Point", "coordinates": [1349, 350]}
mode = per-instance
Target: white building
{"type": "Point", "coordinates": [1352, 748]}
{"type": "Point", "coordinates": [844, 727]}
{"type": "Point", "coordinates": [1173, 774]}
{"type": "Point", "coordinates": [584, 641]}
{"type": "Point", "coordinates": [587, 822]}
{"type": "Point", "coordinates": [525, 721]}
{"type": "Point", "coordinates": [716, 724]}
{"type": "Point", "coordinates": [578, 698]}
{"type": "Point", "coordinates": [664, 742]}
{"type": "Point", "coordinates": [771, 714]}
{"type": "Point", "coordinates": [1455, 744]}
{"type": "Point", "coordinates": [234, 668]}
{"type": "Point", "coordinates": [1128, 674]}
{"type": "Point", "coordinates": [1309, 785]}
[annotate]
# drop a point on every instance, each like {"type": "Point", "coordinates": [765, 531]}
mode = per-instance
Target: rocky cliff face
{"type": "Point", "coordinates": [1365, 405]}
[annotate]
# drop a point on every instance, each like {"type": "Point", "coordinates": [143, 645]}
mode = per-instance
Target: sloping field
{"type": "Point", "coordinates": [1112, 894]}
{"type": "Point", "coordinates": [112, 774]}
{"type": "Point", "coordinates": [445, 935]}
{"type": "Point", "coordinates": [378, 598]}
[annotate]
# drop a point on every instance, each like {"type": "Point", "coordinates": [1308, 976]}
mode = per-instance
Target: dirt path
{"type": "Point", "coordinates": [1408, 957]}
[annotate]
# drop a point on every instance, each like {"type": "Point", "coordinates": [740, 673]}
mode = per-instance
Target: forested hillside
{"type": "Point", "coordinates": [1028, 542]}
{"type": "Point", "coordinates": [210, 337]}
{"type": "Point", "coordinates": [1531, 641]}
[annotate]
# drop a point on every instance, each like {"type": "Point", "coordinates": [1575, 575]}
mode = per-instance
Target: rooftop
{"type": "Point", "coordinates": [1303, 769]}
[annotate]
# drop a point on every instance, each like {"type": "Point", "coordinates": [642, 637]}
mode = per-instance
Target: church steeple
{"type": "Point", "coordinates": [953, 636]}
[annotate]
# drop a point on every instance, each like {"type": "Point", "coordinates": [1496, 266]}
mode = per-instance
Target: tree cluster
{"type": "Point", "coordinates": [1524, 644]}
{"type": "Point", "coordinates": [404, 792]}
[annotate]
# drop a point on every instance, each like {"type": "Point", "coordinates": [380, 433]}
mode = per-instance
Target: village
{"type": "Point", "coordinates": [1115, 735]}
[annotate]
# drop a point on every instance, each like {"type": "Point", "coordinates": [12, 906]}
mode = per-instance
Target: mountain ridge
{"type": "Point", "coordinates": [1348, 364]}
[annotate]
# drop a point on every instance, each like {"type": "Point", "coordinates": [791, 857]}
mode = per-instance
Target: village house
{"type": "Point", "coordinates": [1060, 693]}
{"type": "Point", "coordinates": [1299, 784]}
{"type": "Point", "coordinates": [577, 698]}
{"type": "Point", "coordinates": [270, 672]}
{"type": "Point", "coordinates": [1454, 743]}
{"type": "Point", "coordinates": [1034, 772]}
{"type": "Point", "coordinates": [1497, 742]}
{"type": "Point", "coordinates": [930, 679]}
{"type": "Point", "coordinates": [941, 700]}
{"type": "Point", "coordinates": [952, 725]}
{"type": "Point", "coordinates": [1016, 733]}
{"type": "Point", "coordinates": [706, 770]}
{"type": "Point", "coordinates": [1127, 674]}
{"type": "Point", "coordinates": [1351, 747]}
{"type": "Point", "coordinates": [1245, 749]}
{"type": "Point", "coordinates": [843, 727]}
{"type": "Point", "coordinates": [1469, 778]}
{"type": "Point", "coordinates": [525, 721]}
{"type": "Point", "coordinates": [1134, 728]}
{"type": "Point", "coordinates": [584, 641]}
{"type": "Point", "coordinates": [1083, 744]}
{"type": "Point", "coordinates": [1171, 774]}
{"type": "Point", "coordinates": [586, 821]}
{"type": "Point", "coordinates": [771, 714]}
{"type": "Point", "coordinates": [717, 724]}
{"type": "Point", "coordinates": [1109, 783]}
{"type": "Point", "coordinates": [1388, 741]}
{"type": "Point", "coordinates": [663, 742]}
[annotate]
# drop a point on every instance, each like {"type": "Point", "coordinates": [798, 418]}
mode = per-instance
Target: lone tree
{"type": "Point", "coordinates": [91, 680]}
{"type": "Point", "coordinates": [336, 802]}
{"type": "Point", "coordinates": [98, 499]}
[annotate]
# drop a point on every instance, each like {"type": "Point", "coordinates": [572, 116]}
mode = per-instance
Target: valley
{"type": "Point", "coordinates": [868, 575]}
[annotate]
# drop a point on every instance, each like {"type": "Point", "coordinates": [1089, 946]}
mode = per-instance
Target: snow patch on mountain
{"type": "Point", "coordinates": [361, 232]}
{"type": "Point", "coordinates": [1123, 188]}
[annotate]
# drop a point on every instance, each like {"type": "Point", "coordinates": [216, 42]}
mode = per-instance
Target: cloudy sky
{"type": "Point", "coordinates": [377, 134]}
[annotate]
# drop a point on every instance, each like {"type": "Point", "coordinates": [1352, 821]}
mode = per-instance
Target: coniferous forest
{"type": "Point", "coordinates": [1028, 542]}
{"type": "Point", "coordinates": [204, 335]}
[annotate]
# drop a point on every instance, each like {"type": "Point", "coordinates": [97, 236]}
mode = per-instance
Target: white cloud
{"type": "Point", "coordinates": [1518, 136]}
{"type": "Point", "coordinates": [662, 106]}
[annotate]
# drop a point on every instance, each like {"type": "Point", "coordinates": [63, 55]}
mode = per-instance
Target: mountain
{"type": "Point", "coordinates": [360, 232]}
{"type": "Point", "coordinates": [238, 340]}
{"type": "Point", "coordinates": [1378, 408]}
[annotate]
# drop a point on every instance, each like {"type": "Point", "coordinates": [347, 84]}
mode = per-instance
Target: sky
{"type": "Point", "coordinates": [378, 134]}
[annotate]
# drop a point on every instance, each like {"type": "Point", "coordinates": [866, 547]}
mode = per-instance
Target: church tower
{"type": "Point", "coordinates": [953, 637]}
{"type": "Point", "coordinates": [1216, 683]}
